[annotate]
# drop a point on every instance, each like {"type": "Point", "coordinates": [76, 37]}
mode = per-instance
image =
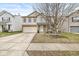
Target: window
{"type": "Point", "coordinates": [29, 20]}
{"type": "Point", "coordinates": [75, 19]}
{"type": "Point", "coordinates": [6, 19]}
{"type": "Point", "coordinates": [24, 20]}
{"type": "Point", "coordinates": [34, 19]}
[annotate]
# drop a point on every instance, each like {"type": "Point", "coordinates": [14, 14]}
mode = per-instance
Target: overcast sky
{"type": "Point", "coordinates": [22, 8]}
{"type": "Point", "coordinates": [15, 8]}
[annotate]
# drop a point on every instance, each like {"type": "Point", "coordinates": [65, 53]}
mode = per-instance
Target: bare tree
{"type": "Point", "coordinates": [55, 14]}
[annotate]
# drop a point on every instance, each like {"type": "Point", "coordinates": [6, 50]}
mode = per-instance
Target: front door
{"type": "Point", "coordinates": [3, 28]}
{"type": "Point", "coordinates": [9, 27]}
{"type": "Point", "coordinates": [41, 29]}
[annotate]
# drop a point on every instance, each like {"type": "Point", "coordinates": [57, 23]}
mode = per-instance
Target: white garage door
{"type": "Point", "coordinates": [29, 29]}
{"type": "Point", "coordinates": [74, 29]}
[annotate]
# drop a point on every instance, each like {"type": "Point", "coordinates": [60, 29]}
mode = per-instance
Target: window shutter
{"type": "Point", "coordinates": [2, 18]}
{"type": "Point", "coordinates": [9, 19]}
{"type": "Point", "coordinates": [72, 19]}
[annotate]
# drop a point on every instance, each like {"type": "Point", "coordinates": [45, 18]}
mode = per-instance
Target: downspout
{"type": "Point", "coordinates": [68, 25]}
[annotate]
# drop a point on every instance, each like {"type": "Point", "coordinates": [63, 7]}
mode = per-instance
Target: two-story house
{"type": "Point", "coordinates": [9, 22]}
{"type": "Point", "coordinates": [30, 22]}
{"type": "Point", "coordinates": [73, 22]}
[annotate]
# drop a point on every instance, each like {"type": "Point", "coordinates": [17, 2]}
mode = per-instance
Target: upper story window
{"type": "Point", "coordinates": [34, 20]}
{"type": "Point", "coordinates": [29, 20]}
{"type": "Point", "coordinates": [75, 19]}
{"type": "Point", "coordinates": [6, 19]}
{"type": "Point", "coordinates": [24, 20]}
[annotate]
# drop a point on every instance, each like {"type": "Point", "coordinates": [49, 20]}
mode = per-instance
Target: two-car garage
{"type": "Point", "coordinates": [29, 28]}
{"type": "Point", "coordinates": [74, 29]}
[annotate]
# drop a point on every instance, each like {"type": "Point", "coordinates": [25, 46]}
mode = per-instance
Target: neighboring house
{"type": "Point", "coordinates": [73, 22]}
{"type": "Point", "coordinates": [9, 22]}
{"type": "Point", "coordinates": [35, 22]}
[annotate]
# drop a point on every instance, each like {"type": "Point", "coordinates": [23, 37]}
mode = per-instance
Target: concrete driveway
{"type": "Point", "coordinates": [15, 45]}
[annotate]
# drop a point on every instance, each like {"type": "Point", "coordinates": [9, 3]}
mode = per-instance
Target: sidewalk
{"type": "Point", "coordinates": [53, 47]}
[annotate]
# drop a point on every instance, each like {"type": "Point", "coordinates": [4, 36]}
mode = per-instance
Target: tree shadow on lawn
{"type": "Point", "coordinates": [59, 36]}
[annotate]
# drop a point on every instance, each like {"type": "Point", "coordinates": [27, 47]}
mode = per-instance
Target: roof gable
{"type": "Point", "coordinates": [77, 11]}
{"type": "Point", "coordinates": [33, 14]}
{"type": "Point", "coordinates": [3, 12]}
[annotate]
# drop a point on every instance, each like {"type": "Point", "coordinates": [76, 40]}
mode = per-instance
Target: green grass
{"type": "Point", "coordinates": [62, 38]}
{"type": "Point", "coordinates": [71, 36]}
{"type": "Point", "coordinates": [2, 34]}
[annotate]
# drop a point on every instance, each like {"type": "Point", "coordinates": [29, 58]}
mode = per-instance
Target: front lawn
{"type": "Point", "coordinates": [2, 34]}
{"type": "Point", "coordinates": [62, 38]}
{"type": "Point", "coordinates": [53, 53]}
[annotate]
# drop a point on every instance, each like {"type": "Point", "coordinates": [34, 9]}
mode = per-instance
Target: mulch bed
{"type": "Point", "coordinates": [53, 53]}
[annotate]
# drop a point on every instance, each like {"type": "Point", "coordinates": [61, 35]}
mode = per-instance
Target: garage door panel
{"type": "Point", "coordinates": [29, 29]}
{"type": "Point", "coordinates": [74, 29]}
